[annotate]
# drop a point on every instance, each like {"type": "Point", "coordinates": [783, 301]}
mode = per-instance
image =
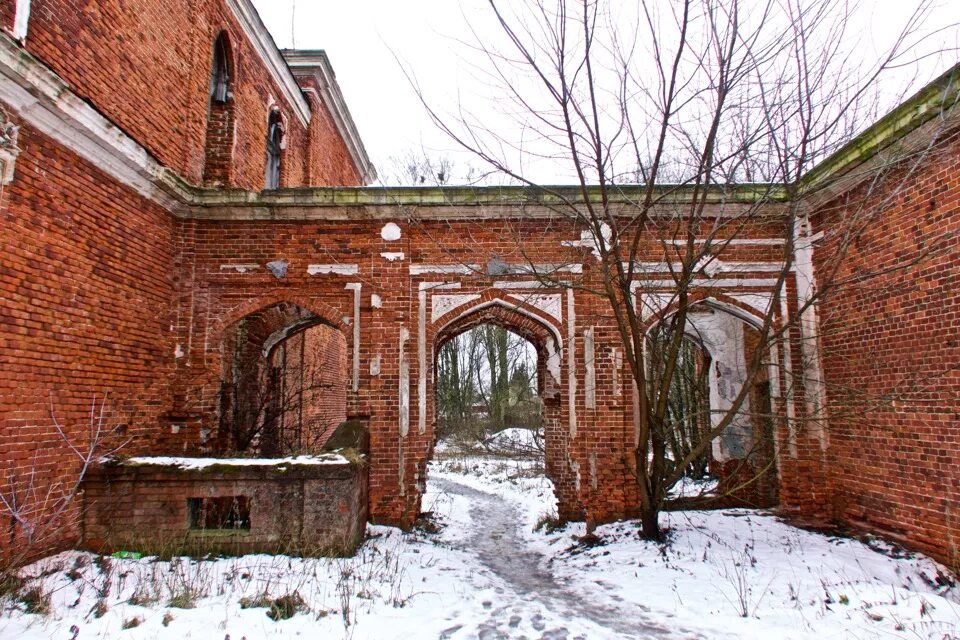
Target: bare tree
{"type": "Point", "coordinates": [718, 109]}
{"type": "Point", "coordinates": [35, 508]}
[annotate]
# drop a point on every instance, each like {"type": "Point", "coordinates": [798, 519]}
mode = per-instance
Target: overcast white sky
{"type": "Point", "coordinates": [364, 38]}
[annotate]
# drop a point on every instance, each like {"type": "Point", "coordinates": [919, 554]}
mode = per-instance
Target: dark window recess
{"type": "Point", "coordinates": [274, 148]}
{"type": "Point", "coordinates": [228, 512]}
{"type": "Point", "coordinates": [220, 72]}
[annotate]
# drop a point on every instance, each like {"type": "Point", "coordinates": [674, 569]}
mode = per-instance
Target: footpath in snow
{"type": "Point", "coordinates": [479, 569]}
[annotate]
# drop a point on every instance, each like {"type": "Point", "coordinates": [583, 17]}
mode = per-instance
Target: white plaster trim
{"type": "Point", "coordinates": [617, 356]}
{"type": "Point", "coordinates": [707, 283]}
{"type": "Point", "coordinates": [734, 242]}
{"type": "Point", "coordinates": [404, 389]}
{"type": "Point", "coordinates": [590, 371]}
{"type": "Point", "coordinates": [506, 304]}
{"type": "Point", "coordinates": [550, 303]}
{"type": "Point", "coordinates": [422, 362]}
{"type": "Point", "coordinates": [8, 163]}
{"type": "Point", "coordinates": [45, 102]}
{"type": "Point", "coordinates": [356, 288]}
{"type": "Point", "coordinates": [714, 266]}
{"type": "Point", "coordinates": [392, 256]}
{"type": "Point", "coordinates": [444, 304]}
{"type": "Point", "coordinates": [21, 20]}
{"type": "Point", "coordinates": [239, 268]}
{"type": "Point", "coordinates": [524, 284]}
{"type": "Point", "coordinates": [571, 365]}
{"type": "Point", "coordinates": [333, 269]}
{"type": "Point", "coordinates": [262, 41]}
{"type": "Point", "coordinates": [759, 302]}
{"type": "Point", "coordinates": [421, 269]}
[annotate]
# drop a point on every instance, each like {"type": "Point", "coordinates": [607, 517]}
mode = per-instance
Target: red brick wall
{"type": "Point", "coordinates": [86, 288]}
{"type": "Point", "coordinates": [299, 509]}
{"type": "Point", "coordinates": [891, 346]}
{"type": "Point", "coordinates": [8, 9]}
{"type": "Point", "coordinates": [146, 66]}
{"type": "Point", "coordinates": [592, 471]}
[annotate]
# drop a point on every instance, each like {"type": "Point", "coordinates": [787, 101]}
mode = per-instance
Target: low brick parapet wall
{"type": "Point", "coordinates": [300, 506]}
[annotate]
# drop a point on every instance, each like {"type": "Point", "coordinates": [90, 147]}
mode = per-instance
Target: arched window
{"type": "Point", "coordinates": [218, 153]}
{"type": "Point", "coordinates": [220, 71]}
{"type": "Point", "coordinates": [274, 148]}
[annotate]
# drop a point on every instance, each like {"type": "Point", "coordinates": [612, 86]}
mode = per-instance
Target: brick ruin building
{"type": "Point", "coordinates": [181, 200]}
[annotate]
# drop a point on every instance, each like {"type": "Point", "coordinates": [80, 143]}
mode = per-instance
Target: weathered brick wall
{"type": "Point", "coordinates": [86, 288]}
{"type": "Point", "coordinates": [223, 266]}
{"type": "Point", "coordinates": [891, 344]}
{"type": "Point", "coordinates": [8, 10]}
{"type": "Point", "coordinates": [295, 508]}
{"type": "Point", "coordinates": [146, 66]}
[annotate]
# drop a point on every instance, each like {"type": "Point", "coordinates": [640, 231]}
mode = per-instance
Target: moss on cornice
{"type": "Point", "coordinates": [931, 101]}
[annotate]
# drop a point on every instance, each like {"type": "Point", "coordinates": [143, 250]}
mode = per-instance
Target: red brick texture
{"type": "Point", "coordinates": [107, 294]}
{"type": "Point", "coordinates": [891, 346]}
{"type": "Point", "coordinates": [299, 509]}
{"type": "Point", "coordinates": [146, 65]}
{"type": "Point", "coordinates": [86, 283]}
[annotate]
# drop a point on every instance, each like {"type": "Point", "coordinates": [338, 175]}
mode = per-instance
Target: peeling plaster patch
{"type": "Point", "coordinates": [720, 283]}
{"type": "Point", "coordinates": [590, 370]}
{"type": "Point", "coordinates": [653, 304]}
{"type": "Point", "coordinates": [617, 356]}
{"type": "Point", "coordinates": [333, 269]}
{"type": "Point", "coordinates": [549, 303]}
{"type": "Point", "coordinates": [356, 287]}
{"type": "Point", "coordinates": [589, 240]}
{"type": "Point", "coordinates": [375, 301]}
{"type": "Point", "coordinates": [553, 362]}
{"type": "Point", "coordinates": [443, 304]}
{"type": "Point", "coordinates": [593, 470]}
{"type": "Point", "coordinates": [760, 302]}
{"type": "Point", "coordinates": [392, 256]}
{"type": "Point", "coordinates": [347, 320]}
{"type": "Point", "coordinates": [390, 232]}
{"type": "Point", "coordinates": [404, 400]}
{"type": "Point", "coordinates": [571, 366]}
{"type": "Point", "coordinates": [422, 362]}
{"type": "Point", "coordinates": [496, 266]}
{"type": "Point", "coordinates": [420, 269]}
{"type": "Point", "coordinates": [278, 268]}
{"type": "Point", "coordinates": [757, 242]}
{"type": "Point", "coordinates": [375, 365]}
{"type": "Point", "coordinates": [575, 467]}
{"type": "Point", "coordinates": [518, 284]}
{"type": "Point", "coordinates": [178, 351]}
{"type": "Point", "coordinates": [239, 268]}
{"type": "Point", "coordinates": [21, 20]}
{"type": "Point", "coordinates": [709, 265]}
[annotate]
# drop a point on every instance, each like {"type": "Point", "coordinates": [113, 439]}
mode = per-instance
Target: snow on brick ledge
{"type": "Point", "coordinates": [213, 463]}
{"type": "Point", "coordinates": [304, 505]}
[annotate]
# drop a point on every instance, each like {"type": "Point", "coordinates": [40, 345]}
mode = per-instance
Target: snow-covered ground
{"type": "Point", "coordinates": [485, 573]}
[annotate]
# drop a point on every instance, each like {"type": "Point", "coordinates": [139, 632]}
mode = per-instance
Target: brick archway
{"type": "Point", "coordinates": [545, 335]}
{"type": "Point", "coordinates": [283, 381]}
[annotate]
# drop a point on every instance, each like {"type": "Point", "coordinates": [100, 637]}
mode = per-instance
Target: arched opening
{"type": "Point", "coordinates": [495, 409]}
{"type": "Point", "coordinates": [720, 420]}
{"type": "Point", "coordinates": [218, 160]}
{"type": "Point", "coordinates": [275, 144]}
{"type": "Point", "coordinates": [488, 394]}
{"type": "Point", "coordinates": [284, 382]}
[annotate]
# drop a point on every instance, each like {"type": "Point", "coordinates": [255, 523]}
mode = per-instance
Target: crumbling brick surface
{"type": "Point", "coordinates": [86, 282]}
{"type": "Point", "coordinates": [297, 509]}
{"type": "Point", "coordinates": [891, 347]}
{"type": "Point", "coordinates": [146, 66]}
